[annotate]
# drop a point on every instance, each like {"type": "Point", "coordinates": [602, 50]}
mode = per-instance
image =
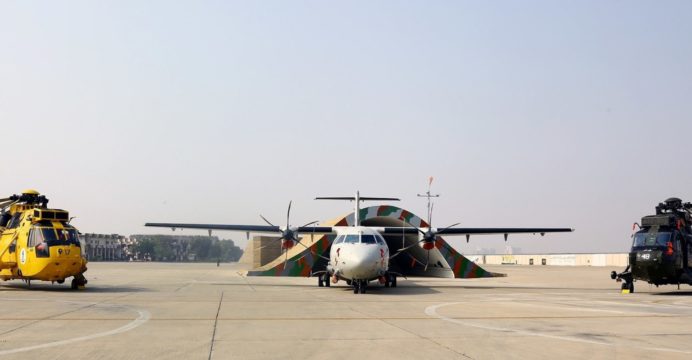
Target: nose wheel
{"type": "Point", "coordinates": [359, 286]}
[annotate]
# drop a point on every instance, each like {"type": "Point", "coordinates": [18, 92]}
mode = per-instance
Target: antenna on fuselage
{"type": "Point", "coordinates": [357, 199]}
{"type": "Point", "coordinates": [429, 196]}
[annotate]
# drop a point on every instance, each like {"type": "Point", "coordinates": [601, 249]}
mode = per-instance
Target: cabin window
{"type": "Point", "coordinates": [368, 239]}
{"type": "Point", "coordinates": [339, 239]}
{"type": "Point", "coordinates": [352, 239]}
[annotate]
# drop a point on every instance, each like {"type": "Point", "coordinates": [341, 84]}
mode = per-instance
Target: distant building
{"type": "Point", "coordinates": [106, 247]}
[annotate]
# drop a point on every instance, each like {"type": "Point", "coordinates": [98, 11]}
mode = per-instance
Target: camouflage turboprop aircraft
{"type": "Point", "coordinates": [374, 243]}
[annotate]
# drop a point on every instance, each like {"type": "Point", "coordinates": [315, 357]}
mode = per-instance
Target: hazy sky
{"type": "Point", "coordinates": [543, 113]}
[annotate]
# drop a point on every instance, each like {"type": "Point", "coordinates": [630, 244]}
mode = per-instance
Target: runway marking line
{"type": "Point", "coordinates": [432, 312]}
{"type": "Point", "coordinates": [143, 317]}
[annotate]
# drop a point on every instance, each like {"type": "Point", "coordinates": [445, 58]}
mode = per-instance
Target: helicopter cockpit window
{"type": "Point", "coordinates": [69, 236]}
{"type": "Point", "coordinates": [651, 239]}
{"type": "Point", "coordinates": [368, 239]}
{"type": "Point", "coordinates": [15, 221]}
{"type": "Point", "coordinates": [352, 239]}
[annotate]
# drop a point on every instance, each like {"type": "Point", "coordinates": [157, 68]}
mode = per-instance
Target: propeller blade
{"type": "Point", "coordinates": [288, 215]}
{"type": "Point", "coordinates": [310, 223]}
{"type": "Point", "coordinates": [401, 251]}
{"type": "Point", "coordinates": [265, 220]}
{"type": "Point", "coordinates": [427, 261]}
{"type": "Point", "coordinates": [312, 252]}
{"type": "Point", "coordinates": [448, 227]}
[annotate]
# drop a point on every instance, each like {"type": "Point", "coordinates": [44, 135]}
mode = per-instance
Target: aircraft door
{"type": "Point", "coordinates": [680, 251]}
{"type": "Point", "coordinates": [688, 243]}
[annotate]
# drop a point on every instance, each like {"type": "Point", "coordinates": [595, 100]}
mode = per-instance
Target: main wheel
{"type": "Point", "coordinates": [393, 280]}
{"type": "Point", "coordinates": [327, 283]}
{"type": "Point", "coordinates": [320, 283]}
{"type": "Point", "coordinates": [74, 285]}
{"type": "Point", "coordinates": [632, 287]}
{"type": "Point", "coordinates": [363, 286]}
{"type": "Point", "coordinates": [356, 289]}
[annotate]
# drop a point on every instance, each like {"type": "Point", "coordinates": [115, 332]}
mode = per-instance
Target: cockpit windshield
{"type": "Point", "coordinates": [359, 239]}
{"type": "Point", "coordinates": [368, 239]}
{"type": "Point", "coordinates": [643, 239]}
{"type": "Point", "coordinates": [52, 236]}
{"type": "Point", "coordinates": [352, 239]}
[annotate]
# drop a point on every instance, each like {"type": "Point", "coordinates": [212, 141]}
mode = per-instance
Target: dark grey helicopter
{"type": "Point", "coordinates": [662, 248]}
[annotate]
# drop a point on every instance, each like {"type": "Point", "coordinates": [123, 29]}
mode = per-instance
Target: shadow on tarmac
{"type": "Point", "coordinates": [674, 293]}
{"type": "Point", "coordinates": [65, 288]}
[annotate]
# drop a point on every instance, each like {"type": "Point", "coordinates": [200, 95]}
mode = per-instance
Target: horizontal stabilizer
{"type": "Point", "coordinates": [362, 198]}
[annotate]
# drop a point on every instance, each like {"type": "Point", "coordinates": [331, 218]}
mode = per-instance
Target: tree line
{"type": "Point", "coordinates": [184, 248]}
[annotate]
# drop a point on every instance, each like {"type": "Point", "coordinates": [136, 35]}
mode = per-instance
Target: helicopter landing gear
{"type": "Point", "coordinates": [626, 278]}
{"type": "Point", "coordinates": [78, 282]}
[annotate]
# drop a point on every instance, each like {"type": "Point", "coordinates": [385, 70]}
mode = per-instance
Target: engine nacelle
{"type": "Point", "coordinates": [427, 245]}
{"type": "Point", "coordinates": [287, 244]}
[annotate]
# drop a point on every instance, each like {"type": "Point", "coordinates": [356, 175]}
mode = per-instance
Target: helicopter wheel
{"type": "Point", "coordinates": [78, 281]}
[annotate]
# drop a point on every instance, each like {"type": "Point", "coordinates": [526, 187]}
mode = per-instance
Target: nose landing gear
{"type": "Point", "coordinates": [359, 286]}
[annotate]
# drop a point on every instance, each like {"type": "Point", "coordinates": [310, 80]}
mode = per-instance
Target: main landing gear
{"type": "Point", "coordinates": [323, 280]}
{"type": "Point", "coordinates": [390, 280]}
{"type": "Point", "coordinates": [78, 282]}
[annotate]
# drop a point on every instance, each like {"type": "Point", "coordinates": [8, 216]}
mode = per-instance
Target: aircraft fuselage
{"type": "Point", "coordinates": [358, 253]}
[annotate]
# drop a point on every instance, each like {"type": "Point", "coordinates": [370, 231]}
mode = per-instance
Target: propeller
{"type": "Point", "coordinates": [289, 235]}
{"type": "Point", "coordinates": [427, 242]}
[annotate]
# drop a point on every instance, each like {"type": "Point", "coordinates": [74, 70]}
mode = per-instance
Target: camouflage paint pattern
{"type": "Point", "coordinates": [301, 260]}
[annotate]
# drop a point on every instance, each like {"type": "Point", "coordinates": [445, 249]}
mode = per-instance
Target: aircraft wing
{"type": "Point", "coordinates": [243, 228]}
{"type": "Point", "coordinates": [488, 231]}
{"type": "Point", "coordinates": [472, 231]}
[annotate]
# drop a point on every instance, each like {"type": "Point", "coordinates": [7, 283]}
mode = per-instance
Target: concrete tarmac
{"type": "Point", "coordinates": [200, 311]}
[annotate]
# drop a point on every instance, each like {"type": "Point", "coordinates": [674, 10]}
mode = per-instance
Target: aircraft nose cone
{"type": "Point", "coordinates": [362, 262]}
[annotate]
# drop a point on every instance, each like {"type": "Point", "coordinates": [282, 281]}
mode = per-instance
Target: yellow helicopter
{"type": "Point", "coordinates": [38, 243]}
